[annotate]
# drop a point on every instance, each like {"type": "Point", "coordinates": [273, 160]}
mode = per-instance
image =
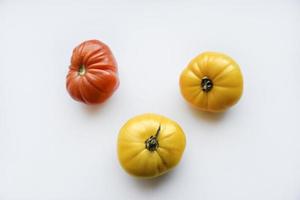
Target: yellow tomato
{"type": "Point", "coordinates": [212, 82]}
{"type": "Point", "coordinates": [149, 145]}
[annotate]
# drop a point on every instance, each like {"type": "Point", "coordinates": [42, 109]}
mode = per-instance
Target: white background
{"type": "Point", "coordinates": [52, 147]}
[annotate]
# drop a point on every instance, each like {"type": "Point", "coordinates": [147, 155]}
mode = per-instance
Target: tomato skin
{"type": "Point", "coordinates": [93, 73]}
{"type": "Point", "coordinates": [221, 72]}
{"type": "Point", "coordinates": [139, 161]}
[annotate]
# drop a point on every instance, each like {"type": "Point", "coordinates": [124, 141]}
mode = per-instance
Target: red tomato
{"type": "Point", "coordinates": [93, 73]}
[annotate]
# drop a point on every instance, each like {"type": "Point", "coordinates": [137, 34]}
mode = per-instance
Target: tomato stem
{"type": "Point", "coordinates": [81, 70]}
{"type": "Point", "coordinates": [151, 143]}
{"type": "Point", "coordinates": [206, 84]}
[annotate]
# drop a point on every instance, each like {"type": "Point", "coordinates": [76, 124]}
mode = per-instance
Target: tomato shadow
{"type": "Point", "coordinates": [95, 108]}
{"type": "Point", "coordinates": [92, 109]}
{"type": "Point", "coordinates": [208, 116]}
{"type": "Point", "coordinates": [153, 183]}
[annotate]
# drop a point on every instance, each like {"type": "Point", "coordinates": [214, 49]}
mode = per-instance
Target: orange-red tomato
{"type": "Point", "coordinates": [93, 73]}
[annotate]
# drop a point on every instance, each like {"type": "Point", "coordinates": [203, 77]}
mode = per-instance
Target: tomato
{"type": "Point", "coordinates": [212, 82]}
{"type": "Point", "coordinates": [149, 145]}
{"type": "Point", "coordinates": [93, 73]}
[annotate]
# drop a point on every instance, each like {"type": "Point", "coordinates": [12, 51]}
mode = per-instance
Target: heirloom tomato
{"type": "Point", "coordinates": [93, 73]}
{"type": "Point", "coordinates": [149, 145]}
{"type": "Point", "coordinates": [212, 82]}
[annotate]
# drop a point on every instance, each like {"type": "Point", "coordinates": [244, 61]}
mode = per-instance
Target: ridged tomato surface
{"type": "Point", "coordinates": [150, 145]}
{"type": "Point", "coordinates": [212, 82]}
{"type": "Point", "coordinates": [93, 73]}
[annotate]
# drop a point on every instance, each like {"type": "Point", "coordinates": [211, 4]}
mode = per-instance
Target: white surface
{"type": "Point", "coordinates": [52, 147]}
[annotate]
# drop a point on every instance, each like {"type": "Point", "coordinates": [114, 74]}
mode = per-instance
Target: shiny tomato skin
{"type": "Point", "coordinates": [141, 160]}
{"type": "Point", "coordinates": [211, 82]}
{"type": "Point", "coordinates": [93, 73]}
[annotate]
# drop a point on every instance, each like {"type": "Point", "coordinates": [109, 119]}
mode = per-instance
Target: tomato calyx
{"type": "Point", "coordinates": [206, 84]}
{"type": "Point", "coordinates": [81, 70]}
{"type": "Point", "coordinates": [151, 143]}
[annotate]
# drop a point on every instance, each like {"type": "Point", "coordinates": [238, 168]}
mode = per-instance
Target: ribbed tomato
{"type": "Point", "coordinates": [150, 145]}
{"type": "Point", "coordinates": [212, 82]}
{"type": "Point", "coordinates": [93, 73]}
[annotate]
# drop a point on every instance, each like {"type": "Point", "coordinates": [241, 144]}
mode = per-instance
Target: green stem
{"type": "Point", "coordinates": [151, 143]}
{"type": "Point", "coordinates": [206, 84]}
{"type": "Point", "coordinates": [81, 70]}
